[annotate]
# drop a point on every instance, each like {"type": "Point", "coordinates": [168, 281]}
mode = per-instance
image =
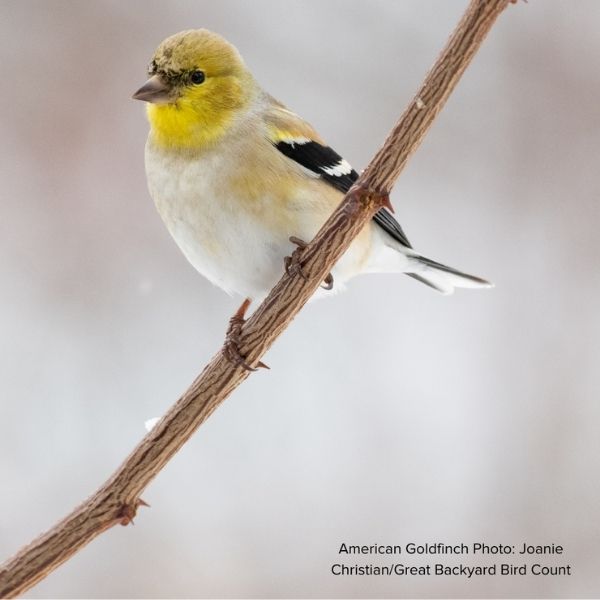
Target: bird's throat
{"type": "Point", "coordinates": [185, 127]}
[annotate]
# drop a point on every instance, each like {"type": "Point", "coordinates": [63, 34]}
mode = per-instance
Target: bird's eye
{"type": "Point", "coordinates": [197, 77]}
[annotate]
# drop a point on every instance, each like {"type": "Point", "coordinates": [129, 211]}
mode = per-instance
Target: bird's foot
{"type": "Point", "coordinates": [231, 348]}
{"type": "Point", "coordinates": [293, 263]}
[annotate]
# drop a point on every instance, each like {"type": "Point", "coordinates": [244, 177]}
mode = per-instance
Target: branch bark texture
{"type": "Point", "coordinates": [118, 499]}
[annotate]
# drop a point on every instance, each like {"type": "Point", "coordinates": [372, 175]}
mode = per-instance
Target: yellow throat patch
{"type": "Point", "coordinates": [201, 115]}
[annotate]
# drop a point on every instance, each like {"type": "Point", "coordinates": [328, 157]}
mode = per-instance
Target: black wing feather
{"type": "Point", "coordinates": [320, 159]}
{"type": "Point", "coordinates": [384, 219]}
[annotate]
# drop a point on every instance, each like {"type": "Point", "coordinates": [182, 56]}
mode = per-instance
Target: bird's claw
{"type": "Point", "coordinates": [327, 282]}
{"type": "Point", "coordinates": [231, 348]}
{"type": "Point", "coordinates": [293, 263]}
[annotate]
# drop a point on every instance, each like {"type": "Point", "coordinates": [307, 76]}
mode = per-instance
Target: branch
{"type": "Point", "coordinates": [117, 500]}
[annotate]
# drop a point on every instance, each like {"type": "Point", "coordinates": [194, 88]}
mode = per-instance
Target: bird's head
{"type": "Point", "coordinates": [198, 84]}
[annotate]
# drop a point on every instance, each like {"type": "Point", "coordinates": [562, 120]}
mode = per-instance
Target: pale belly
{"type": "Point", "coordinates": [237, 245]}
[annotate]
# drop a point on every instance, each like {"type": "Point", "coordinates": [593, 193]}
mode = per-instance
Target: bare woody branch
{"type": "Point", "coordinates": [118, 499]}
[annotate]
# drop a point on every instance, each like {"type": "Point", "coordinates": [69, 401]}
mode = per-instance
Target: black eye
{"type": "Point", "coordinates": [197, 77]}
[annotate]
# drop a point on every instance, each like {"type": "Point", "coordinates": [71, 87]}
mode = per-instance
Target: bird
{"type": "Point", "coordinates": [238, 178]}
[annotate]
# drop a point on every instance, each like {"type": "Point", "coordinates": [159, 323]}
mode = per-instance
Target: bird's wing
{"type": "Point", "coordinates": [297, 140]}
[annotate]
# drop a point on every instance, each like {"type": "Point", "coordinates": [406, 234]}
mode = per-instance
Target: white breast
{"type": "Point", "coordinates": [236, 248]}
{"type": "Point", "coordinates": [225, 243]}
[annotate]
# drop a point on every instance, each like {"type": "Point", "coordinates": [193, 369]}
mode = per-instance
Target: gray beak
{"type": "Point", "coordinates": [155, 90]}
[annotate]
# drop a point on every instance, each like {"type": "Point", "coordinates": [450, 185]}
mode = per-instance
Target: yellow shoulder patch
{"type": "Point", "coordinates": [286, 126]}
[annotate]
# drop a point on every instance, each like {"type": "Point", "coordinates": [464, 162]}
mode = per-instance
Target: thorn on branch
{"type": "Point", "coordinates": [129, 510]}
{"type": "Point", "coordinates": [384, 198]}
{"type": "Point", "coordinates": [363, 194]}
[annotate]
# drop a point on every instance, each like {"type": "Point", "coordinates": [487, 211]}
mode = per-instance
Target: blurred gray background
{"type": "Point", "coordinates": [391, 414]}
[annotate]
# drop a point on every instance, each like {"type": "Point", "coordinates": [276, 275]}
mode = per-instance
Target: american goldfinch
{"type": "Point", "coordinates": [235, 174]}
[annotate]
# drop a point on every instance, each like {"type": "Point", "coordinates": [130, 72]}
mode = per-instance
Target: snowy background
{"type": "Point", "coordinates": [391, 414]}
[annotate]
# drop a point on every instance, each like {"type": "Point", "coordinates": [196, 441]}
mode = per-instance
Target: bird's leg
{"type": "Point", "coordinates": [293, 263]}
{"type": "Point", "coordinates": [231, 348]}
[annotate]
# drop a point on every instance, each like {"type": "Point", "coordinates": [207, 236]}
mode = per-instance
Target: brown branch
{"type": "Point", "coordinates": [118, 499]}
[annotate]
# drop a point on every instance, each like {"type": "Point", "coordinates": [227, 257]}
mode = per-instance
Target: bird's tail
{"type": "Point", "coordinates": [440, 277]}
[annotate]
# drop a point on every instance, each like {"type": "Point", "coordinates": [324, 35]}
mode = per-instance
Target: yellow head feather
{"type": "Point", "coordinates": [198, 114]}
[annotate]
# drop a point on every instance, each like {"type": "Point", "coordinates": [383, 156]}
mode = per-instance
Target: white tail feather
{"type": "Point", "coordinates": [441, 277]}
